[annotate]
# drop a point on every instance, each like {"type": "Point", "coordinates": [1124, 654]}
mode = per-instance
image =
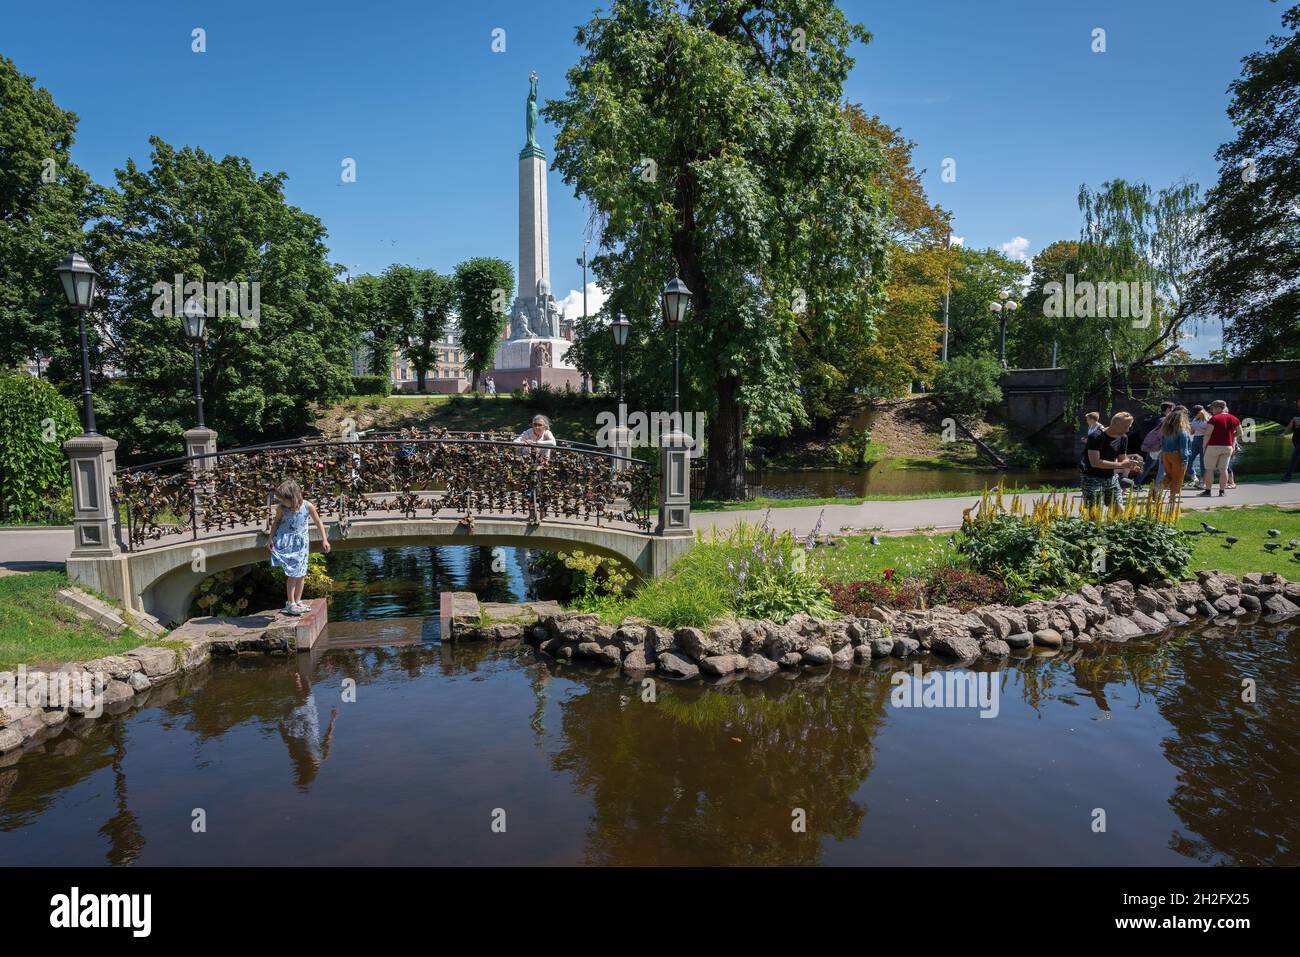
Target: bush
{"type": "Point", "coordinates": [578, 576]}
{"type": "Point", "coordinates": [1062, 544]}
{"type": "Point", "coordinates": [238, 591]}
{"type": "Point", "coordinates": [372, 385]}
{"type": "Point", "coordinates": [858, 598]}
{"type": "Point", "coordinates": [749, 571]}
{"type": "Point", "coordinates": [959, 587]}
{"type": "Point", "coordinates": [969, 383]}
{"type": "Point", "coordinates": [35, 421]}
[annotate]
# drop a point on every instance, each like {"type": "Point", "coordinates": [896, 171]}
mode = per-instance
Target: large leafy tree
{"type": "Point", "coordinates": [220, 221]}
{"type": "Point", "coordinates": [1252, 215]}
{"type": "Point", "coordinates": [365, 311]}
{"type": "Point", "coordinates": [45, 200]}
{"type": "Point", "coordinates": [710, 140]}
{"type": "Point", "coordinates": [415, 306]}
{"type": "Point", "coordinates": [979, 277]}
{"type": "Point", "coordinates": [1133, 235]}
{"type": "Point", "coordinates": [481, 288]}
{"type": "Point", "coordinates": [1031, 337]}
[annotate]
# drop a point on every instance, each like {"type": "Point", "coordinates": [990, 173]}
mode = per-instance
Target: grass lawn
{"type": "Point", "coordinates": [35, 629]}
{"type": "Point", "coordinates": [856, 559]}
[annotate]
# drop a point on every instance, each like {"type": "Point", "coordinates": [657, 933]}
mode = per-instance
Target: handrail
{"type": "Point", "coordinates": [207, 457]}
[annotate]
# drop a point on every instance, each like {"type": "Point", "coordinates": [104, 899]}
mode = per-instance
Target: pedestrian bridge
{"type": "Point", "coordinates": [174, 523]}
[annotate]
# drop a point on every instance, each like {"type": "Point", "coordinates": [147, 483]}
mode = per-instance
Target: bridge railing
{"type": "Point", "coordinates": [390, 474]}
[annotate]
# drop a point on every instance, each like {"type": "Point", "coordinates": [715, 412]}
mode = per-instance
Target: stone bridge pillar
{"type": "Point", "coordinates": [675, 483]}
{"type": "Point", "coordinates": [96, 559]}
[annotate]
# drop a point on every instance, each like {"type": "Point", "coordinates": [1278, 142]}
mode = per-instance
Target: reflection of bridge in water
{"type": "Point", "coordinates": [147, 536]}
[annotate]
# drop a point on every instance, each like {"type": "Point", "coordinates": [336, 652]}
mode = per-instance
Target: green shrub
{"type": "Point", "coordinates": [239, 591]}
{"type": "Point", "coordinates": [372, 385]}
{"type": "Point", "coordinates": [35, 421]}
{"type": "Point", "coordinates": [969, 383]}
{"type": "Point", "coordinates": [749, 571]}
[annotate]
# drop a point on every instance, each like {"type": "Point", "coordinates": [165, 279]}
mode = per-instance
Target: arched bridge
{"type": "Point", "coordinates": [147, 536]}
{"type": "Point", "coordinates": [1034, 400]}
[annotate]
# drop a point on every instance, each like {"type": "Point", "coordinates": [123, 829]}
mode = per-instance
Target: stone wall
{"type": "Point", "coordinates": [126, 681]}
{"type": "Point", "coordinates": [1115, 613]}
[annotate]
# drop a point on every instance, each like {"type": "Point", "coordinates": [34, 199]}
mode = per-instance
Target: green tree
{"type": "Point", "coordinates": [1147, 242]}
{"type": "Point", "coordinates": [980, 275]}
{"type": "Point", "coordinates": [969, 383]}
{"type": "Point", "coordinates": [35, 421]}
{"type": "Point", "coordinates": [711, 141]}
{"type": "Point", "coordinates": [1252, 215]}
{"type": "Point", "coordinates": [366, 314]}
{"type": "Point", "coordinates": [482, 288]}
{"type": "Point", "coordinates": [45, 200]}
{"type": "Point", "coordinates": [1032, 334]}
{"type": "Point", "coordinates": [214, 220]}
{"type": "Point", "coordinates": [416, 305]}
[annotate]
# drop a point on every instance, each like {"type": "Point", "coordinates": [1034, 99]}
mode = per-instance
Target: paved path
{"type": "Point", "coordinates": [911, 514]}
{"type": "Point", "coordinates": [27, 548]}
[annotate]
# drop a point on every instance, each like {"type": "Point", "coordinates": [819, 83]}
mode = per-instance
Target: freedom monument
{"type": "Point", "coordinates": [535, 351]}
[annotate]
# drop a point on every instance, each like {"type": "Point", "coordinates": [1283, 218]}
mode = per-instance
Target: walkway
{"type": "Point", "coordinates": [911, 514]}
{"type": "Point", "coordinates": [45, 547]}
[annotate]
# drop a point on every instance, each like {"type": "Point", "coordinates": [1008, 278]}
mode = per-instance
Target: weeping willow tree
{"type": "Point", "coordinates": [1128, 308]}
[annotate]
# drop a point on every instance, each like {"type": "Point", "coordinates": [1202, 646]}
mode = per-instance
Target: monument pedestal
{"type": "Point", "coordinates": [536, 359]}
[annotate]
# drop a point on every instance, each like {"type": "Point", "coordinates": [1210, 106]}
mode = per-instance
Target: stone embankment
{"type": "Point", "coordinates": [37, 703]}
{"type": "Point", "coordinates": [1115, 613]}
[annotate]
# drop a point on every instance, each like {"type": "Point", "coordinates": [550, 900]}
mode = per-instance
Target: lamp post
{"type": "Point", "coordinates": [620, 327]}
{"type": "Point", "coordinates": [195, 319]}
{"type": "Point", "coordinates": [1003, 311]}
{"type": "Point", "coordinates": [79, 286]}
{"type": "Point", "coordinates": [676, 298]}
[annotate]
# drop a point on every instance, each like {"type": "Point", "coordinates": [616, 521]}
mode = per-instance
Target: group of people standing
{"type": "Point", "coordinates": [1182, 444]}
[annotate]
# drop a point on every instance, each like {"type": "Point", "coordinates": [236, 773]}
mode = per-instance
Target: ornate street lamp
{"type": "Point", "coordinates": [620, 327]}
{"type": "Point", "coordinates": [1003, 311]}
{"type": "Point", "coordinates": [676, 298]}
{"type": "Point", "coordinates": [79, 281]}
{"type": "Point", "coordinates": [195, 319]}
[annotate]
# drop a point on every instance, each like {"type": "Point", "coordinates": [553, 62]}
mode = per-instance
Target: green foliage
{"type": "Point", "coordinates": [415, 308]}
{"type": "Point", "coordinates": [35, 421]}
{"type": "Point", "coordinates": [969, 383]}
{"type": "Point", "coordinates": [239, 591]}
{"type": "Point", "coordinates": [750, 571]}
{"type": "Point", "coordinates": [760, 188]}
{"type": "Point", "coordinates": [213, 220]}
{"type": "Point", "coordinates": [45, 199]}
{"type": "Point", "coordinates": [372, 385]}
{"type": "Point", "coordinates": [980, 275]}
{"type": "Point", "coordinates": [482, 297]}
{"type": "Point", "coordinates": [1044, 558]}
{"type": "Point", "coordinates": [580, 577]}
{"type": "Point", "coordinates": [1252, 263]}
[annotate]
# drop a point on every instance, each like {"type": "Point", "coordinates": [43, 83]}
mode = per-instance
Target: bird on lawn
{"type": "Point", "coordinates": [1294, 543]}
{"type": "Point", "coordinates": [875, 540]}
{"type": "Point", "coordinates": [1192, 531]}
{"type": "Point", "coordinates": [1229, 541]}
{"type": "Point", "coordinates": [1210, 529]}
{"type": "Point", "coordinates": [1272, 546]}
{"type": "Point", "coordinates": [1273, 533]}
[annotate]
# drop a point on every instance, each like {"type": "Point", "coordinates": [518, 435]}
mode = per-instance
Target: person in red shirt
{"type": "Point", "coordinates": [1224, 429]}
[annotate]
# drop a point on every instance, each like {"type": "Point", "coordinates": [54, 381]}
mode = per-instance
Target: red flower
{"type": "Point", "coordinates": [889, 574]}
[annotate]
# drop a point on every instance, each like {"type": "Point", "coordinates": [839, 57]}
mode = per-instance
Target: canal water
{"type": "Point", "coordinates": [1267, 455]}
{"type": "Point", "coordinates": [1134, 754]}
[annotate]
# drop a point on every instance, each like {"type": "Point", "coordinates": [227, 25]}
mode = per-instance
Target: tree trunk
{"type": "Point", "coordinates": [724, 476]}
{"type": "Point", "coordinates": [419, 378]}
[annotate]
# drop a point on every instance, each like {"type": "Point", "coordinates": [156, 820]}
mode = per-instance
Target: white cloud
{"type": "Point", "coordinates": [957, 240]}
{"type": "Point", "coordinates": [571, 305]}
{"type": "Point", "coordinates": [1017, 248]}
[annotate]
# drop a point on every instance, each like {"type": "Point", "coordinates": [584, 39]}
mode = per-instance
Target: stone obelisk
{"type": "Point", "coordinates": [535, 352]}
{"type": "Point", "coordinates": [534, 244]}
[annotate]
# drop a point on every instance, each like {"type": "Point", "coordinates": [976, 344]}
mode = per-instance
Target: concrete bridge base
{"type": "Point", "coordinates": [162, 579]}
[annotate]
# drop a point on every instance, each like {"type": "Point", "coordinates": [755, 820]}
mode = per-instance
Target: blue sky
{"type": "Point", "coordinates": [434, 118]}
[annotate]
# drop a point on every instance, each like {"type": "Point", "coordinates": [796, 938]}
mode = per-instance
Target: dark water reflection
{"type": "Point", "coordinates": [586, 771]}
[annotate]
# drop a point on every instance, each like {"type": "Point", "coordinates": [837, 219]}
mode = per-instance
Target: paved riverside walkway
{"type": "Point", "coordinates": [923, 513]}
{"type": "Point", "coordinates": [34, 548]}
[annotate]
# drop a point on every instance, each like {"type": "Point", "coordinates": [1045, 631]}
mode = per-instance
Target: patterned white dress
{"type": "Point", "coordinates": [290, 545]}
